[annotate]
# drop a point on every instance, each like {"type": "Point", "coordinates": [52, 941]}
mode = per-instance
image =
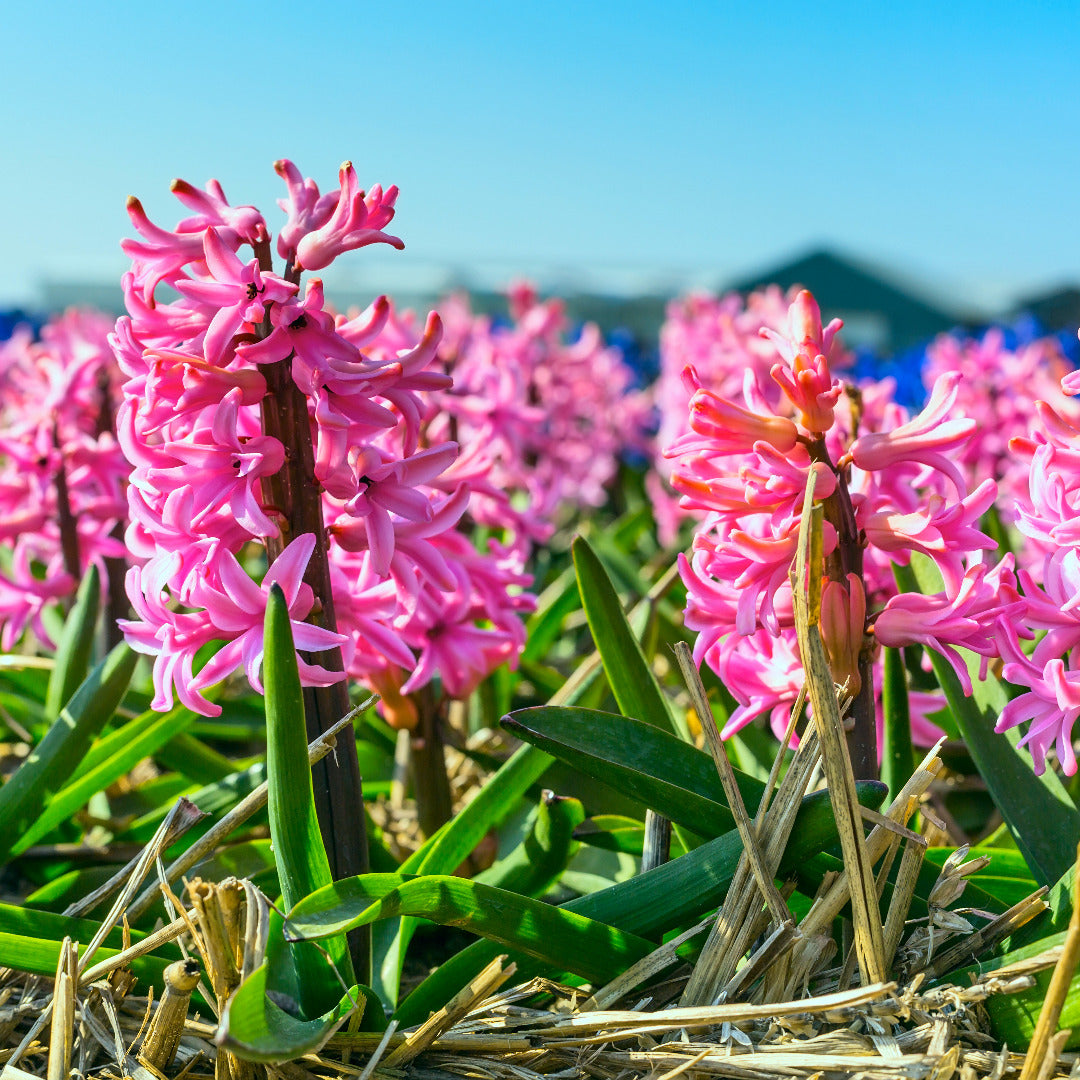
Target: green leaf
{"type": "Point", "coordinates": [76, 645]}
{"type": "Point", "coordinates": [192, 758]}
{"type": "Point", "coordinates": [535, 864]}
{"type": "Point", "coordinates": [557, 601]}
{"type": "Point", "coordinates": [255, 1028]}
{"type": "Point", "coordinates": [632, 681]}
{"type": "Point", "coordinates": [555, 936]}
{"type": "Point", "coordinates": [614, 832]}
{"type": "Point", "coordinates": [1037, 809]}
{"type": "Point", "coordinates": [897, 753]}
{"type": "Point", "coordinates": [444, 852]}
{"type": "Point", "coordinates": [640, 760]}
{"type": "Point", "coordinates": [137, 739]}
{"type": "Point", "coordinates": [40, 957]}
{"type": "Point", "coordinates": [648, 905]}
{"type": "Point", "coordinates": [58, 754]}
{"type": "Point", "coordinates": [303, 866]}
{"type": "Point", "coordinates": [214, 799]}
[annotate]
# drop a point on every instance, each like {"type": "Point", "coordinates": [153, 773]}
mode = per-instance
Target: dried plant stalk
{"type": "Point", "coordinates": [482, 987]}
{"type": "Point", "coordinates": [163, 1036]}
{"type": "Point", "coordinates": [62, 1028]}
{"type": "Point", "coordinates": [1059, 988]}
{"type": "Point", "coordinates": [214, 906]}
{"type": "Point", "coordinates": [762, 877]}
{"type": "Point", "coordinates": [736, 923]}
{"type": "Point", "coordinates": [834, 749]}
{"type": "Point", "coordinates": [903, 892]}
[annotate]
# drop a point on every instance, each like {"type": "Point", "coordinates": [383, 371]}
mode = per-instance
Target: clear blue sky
{"type": "Point", "coordinates": [940, 139]}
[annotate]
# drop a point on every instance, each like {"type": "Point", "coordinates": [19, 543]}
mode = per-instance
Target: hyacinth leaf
{"type": "Point", "coordinates": [1041, 816]}
{"type": "Point", "coordinates": [571, 941]}
{"type": "Point", "coordinates": [107, 746]}
{"type": "Point", "coordinates": [40, 956]}
{"type": "Point", "coordinates": [629, 675]}
{"type": "Point", "coordinates": [444, 852]}
{"type": "Point", "coordinates": [252, 859]}
{"type": "Point", "coordinates": [535, 865]}
{"type": "Point", "coordinates": [674, 894]}
{"type": "Point", "coordinates": [52, 762]}
{"type": "Point", "coordinates": [658, 769]}
{"type": "Point", "coordinates": [303, 865]}
{"type": "Point", "coordinates": [557, 601]}
{"type": "Point", "coordinates": [130, 744]}
{"type": "Point", "coordinates": [897, 752]}
{"type": "Point", "coordinates": [76, 645]}
{"type": "Point", "coordinates": [213, 799]}
{"type": "Point", "coordinates": [191, 757]}
{"type": "Point", "coordinates": [614, 832]}
{"type": "Point", "coordinates": [255, 1028]}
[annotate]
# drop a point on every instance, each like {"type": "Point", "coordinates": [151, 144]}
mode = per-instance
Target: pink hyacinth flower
{"type": "Point", "coordinates": [237, 607]}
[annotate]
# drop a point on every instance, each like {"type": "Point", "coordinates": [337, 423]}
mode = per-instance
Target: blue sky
{"type": "Point", "coordinates": [588, 141]}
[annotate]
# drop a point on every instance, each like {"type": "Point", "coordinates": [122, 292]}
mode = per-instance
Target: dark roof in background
{"type": "Point", "coordinates": [1056, 310]}
{"type": "Point", "coordinates": [846, 288]}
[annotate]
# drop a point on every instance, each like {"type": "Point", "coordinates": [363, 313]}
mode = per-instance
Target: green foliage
{"type": "Point", "coordinates": [673, 895]}
{"type": "Point", "coordinates": [628, 672]}
{"type": "Point", "coordinates": [303, 866]}
{"type": "Point", "coordinates": [556, 936]}
{"type": "Point", "coordinates": [658, 769]}
{"type": "Point", "coordinates": [256, 1028]}
{"type": "Point", "coordinates": [76, 645]}
{"type": "Point", "coordinates": [53, 761]}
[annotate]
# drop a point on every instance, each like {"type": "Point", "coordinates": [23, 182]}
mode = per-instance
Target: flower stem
{"type": "Point", "coordinates": [847, 558]}
{"type": "Point", "coordinates": [117, 605]}
{"type": "Point", "coordinates": [296, 494]}
{"type": "Point", "coordinates": [69, 533]}
{"type": "Point", "coordinates": [431, 784]}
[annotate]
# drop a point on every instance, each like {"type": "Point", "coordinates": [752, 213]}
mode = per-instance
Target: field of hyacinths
{"type": "Point", "coordinates": [356, 664]}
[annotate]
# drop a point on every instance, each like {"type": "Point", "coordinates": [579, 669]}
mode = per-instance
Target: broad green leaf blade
{"type": "Point", "coordinates": [192, 758]}
{"type": "Point", "coordinates": [557, 601]}
{"type": "Point", "coordinates": [254, 1028]}
{"type": "Point", "coordinates": [30, 922]}
{"type": "Point", "coordinates": [1037, 809]}
{"type": "Point", "coordinates": [446, 851]}
{"type": "Point", "coordinates": [897, 753]}
{"type": "Point", "coordinates": [137, 739]}
{"type": "Point", "coordinates": [40, 957]}
{"type": "Point", "coordinates": [557, 936]}
{"type": "Point", "coordinates": [301, 858]}
{"type": "Point", "coordinates": [536, 863]}
{"type": "Point", "coordinates": [613, 832]}
{"type": "Point", "coordinates": [638, 759]}
{"type": "Point", "coordinates": [58, 754]}
{"type": "Point", "coordinates": [631, 678]}
{"type": "Point", "coordinates": [648, 905]}
{"type": "Point", "coordinates": [76, 645]}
